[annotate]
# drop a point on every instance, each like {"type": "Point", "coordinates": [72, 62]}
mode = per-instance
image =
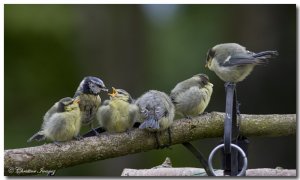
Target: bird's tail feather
{"type": "Point", "coordinates": [150, 123]}
{"type": "Point", "coordinates": [37, 136]}
{"type": "Point", "coordinates": [264, 56]}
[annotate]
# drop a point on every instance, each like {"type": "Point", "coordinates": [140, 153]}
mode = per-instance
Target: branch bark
{"type": "Point", "coordinates": [189, 171]}
{"type": "Point", "coordinates": [51, 157]}
{"type": "Point", "coordinates": [166, 169]}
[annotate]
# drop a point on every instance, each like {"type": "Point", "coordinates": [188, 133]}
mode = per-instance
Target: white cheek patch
{"type": "Point", "coordinates": [227, 59]}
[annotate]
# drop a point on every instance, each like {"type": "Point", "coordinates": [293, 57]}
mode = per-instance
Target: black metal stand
{"type": "Point", "coordinates": [233, 146]}
{"type": "Point", "coordinates": [231, 131]}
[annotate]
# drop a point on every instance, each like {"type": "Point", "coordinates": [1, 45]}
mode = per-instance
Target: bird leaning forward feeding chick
{"type": "Point", "coordinates": [88, 93]}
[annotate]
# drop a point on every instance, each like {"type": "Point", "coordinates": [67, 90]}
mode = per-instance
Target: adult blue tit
{"type": "Point", "coordinates": [233, 63]}
{"type": "Point", "coordinates": [88, 94]}
{"type": "Point", "coordinates": [192, 95]}
{"type": "Point", "coordinates": [117, 114]}
{"type": "Point", "coordinates": [61, 122]}
{"type": "Point", "coordinates": [156, 112]}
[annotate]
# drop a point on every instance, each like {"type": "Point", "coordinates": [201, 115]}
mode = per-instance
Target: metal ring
{"type": "Point", "coordinates": [220, 146]}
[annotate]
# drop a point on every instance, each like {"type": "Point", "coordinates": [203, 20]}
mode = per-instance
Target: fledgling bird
{"type": "Point", "coordinates": [117, 114]}
{"type": "Point", "coordinates": [88, 94]}
{"type": "Point", "coordinates": [192, 95]}
{"type": "Point", "coordinates": [156, 112]}
{"type": "Point", "coordinates": [61, 122]}
{"type": "Point", "coordinates": [233, 63]}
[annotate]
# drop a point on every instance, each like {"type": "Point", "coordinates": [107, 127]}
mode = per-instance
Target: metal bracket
{"type": "Point", "coordinates": [231, 158]}
{"type": "Point", "coordinates": [235, 147]}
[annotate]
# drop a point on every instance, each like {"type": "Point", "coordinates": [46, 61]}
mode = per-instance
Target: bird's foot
{"type": "Point", "coordinates": [229, 85]}
{"type": "Point", "coordinates": [188, 116]}
{"type": "Point", "coordinates": [170, 137]}
{"type": "Point", "coordinates": [51, 173]}
{"type": "Point", "coordinates": [158, 145]}
{"type": "Point", "coordinates": [57, 143]}
{"type": "Point", "coordinates": [128, 132]}
{"type": "Point", "coordinates": [78, 137]}
{"type": "Point", "coordinates": [204, 113]}
{"type": "Point", "coordinates": [238, 105]}
{"type": "Point", "coordinates": [96, 132]}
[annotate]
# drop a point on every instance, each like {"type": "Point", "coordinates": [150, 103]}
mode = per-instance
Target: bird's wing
{"type": "Point", "coordinates": [39, 136]}
{"type": "Point", "coordinates": [151, 123]}
{"type": "Point", "coordinates": [106, 102]}
{"type": "Point", "coordinates": [240, 59]}
{"type": "Point", "coordinates": [103, 114]}
{"type": "Point", "coordinates": [250, 58]}
{"type": "Point", "coordinates": [133, 112]}
{"type": "Point", "coordinates": [50, 112]}
{"type": "Point", "coordinates": [182, 87]}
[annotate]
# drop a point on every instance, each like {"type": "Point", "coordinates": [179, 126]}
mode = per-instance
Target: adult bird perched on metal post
{"type": "Point", "coordinates": [117, 114]}
{"type": "Point", "coordinates": [88, 94]}
{"type": "Point", "coordinates": [233, 63]}
{"type": "Point", "coordinates": [156, 112]}
{"type": "Point", "coordinates": [61, 122]}
{"type": "Point", "coordinates": [192, 95]}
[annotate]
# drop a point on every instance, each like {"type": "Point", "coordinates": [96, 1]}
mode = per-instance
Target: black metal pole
{"type": "Point", "coordinates": [231, 131]}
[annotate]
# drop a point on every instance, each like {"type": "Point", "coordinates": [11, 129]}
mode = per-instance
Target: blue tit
{"type": "Point", "coordinates": [88, 94]}
{"type": "Point", "coordinates": [117, 114]}
{"type": "Point", "coordinates": [233, 63]}
{"type": "Point", "coordinates": [61, 122]}
{"type": "Point", "coordinates": [192, 95]}
{"type": "Point", "coordinates": [156, 112]}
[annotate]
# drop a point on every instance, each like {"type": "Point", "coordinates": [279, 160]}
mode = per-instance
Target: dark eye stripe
{"type": "Point", "coordinates": [122, 92]}
{"type": "Point", "coordinates": [210, 54]}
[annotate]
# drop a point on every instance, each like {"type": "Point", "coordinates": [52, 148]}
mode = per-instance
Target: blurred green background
{"type": "Point", "coordinates": [50, 48]}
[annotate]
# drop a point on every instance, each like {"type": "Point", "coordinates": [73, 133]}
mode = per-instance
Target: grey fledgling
{"type": "Point", "coordinates": [192, 95]}
{"type": "Point", "coordinates": [233, 63]}
{"type": "Point", "coordinates": [156, 112]}
{"type": "Point", "coordinates": [88, 94]}
{"type": "Point", "coordinates": [117, 114]}
{"type": "Point", "coordinates": [61, 122]}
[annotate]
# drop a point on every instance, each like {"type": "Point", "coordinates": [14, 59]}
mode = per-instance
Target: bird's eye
{"type": "Point", "coordinates": [210, 54]}
{"type": "Point", "coordinates": [120, 92]}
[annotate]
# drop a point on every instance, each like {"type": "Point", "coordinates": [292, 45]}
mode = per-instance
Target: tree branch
{"type": "Point", "coordinates": [166, 169]}
{"type": "Point", "coordinates": [189, 171]}
{"type": "Point", "coordinates": [52, 157]}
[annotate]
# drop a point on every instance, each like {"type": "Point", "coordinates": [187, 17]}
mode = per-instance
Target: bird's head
{"type": "Point", "coordinates": [202, 79]}
{"type": "Point", "coordinates": [68, 104]}
{"type": "Point", "coordinates": [209, 56]}
{"type": "Point", "coordinates": [120, 94]}
{"type": "Point", "coordinates": [92, 85]}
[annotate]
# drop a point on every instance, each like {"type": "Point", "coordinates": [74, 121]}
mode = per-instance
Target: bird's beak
{"type": "Point", "coordinates": [104, 89]}
{"type": "Point", "coordinates": [114, 92]}
{"type": "Point", "coordinates": [206, 65]}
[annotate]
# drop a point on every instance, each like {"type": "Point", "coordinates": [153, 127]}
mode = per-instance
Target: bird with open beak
{"type": "Point", "coordinates": [117, 114]}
